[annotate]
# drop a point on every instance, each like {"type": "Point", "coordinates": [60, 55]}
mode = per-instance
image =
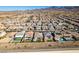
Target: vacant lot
{"type": "Point", "coordinates": [37, 45]}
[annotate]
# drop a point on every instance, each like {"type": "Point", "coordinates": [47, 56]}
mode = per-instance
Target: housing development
{"type": "Point", "coordinates": [44, 27]}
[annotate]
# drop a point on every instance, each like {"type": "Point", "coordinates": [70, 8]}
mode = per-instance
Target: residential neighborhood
{"type": "Point", "coordinates": [40, 25]}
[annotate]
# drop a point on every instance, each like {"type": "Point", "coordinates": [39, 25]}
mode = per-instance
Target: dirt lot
{"type": "Point", "coordinates": [38, 45]}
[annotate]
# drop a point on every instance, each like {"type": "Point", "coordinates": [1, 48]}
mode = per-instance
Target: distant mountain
{"type": "Point", "coordinates": [65, 7]}
{"type": "Point", "coordinates": [50, 8]}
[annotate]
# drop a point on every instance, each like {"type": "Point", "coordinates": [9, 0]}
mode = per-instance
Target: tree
{"type": "Point", "coordinates": [74, 37]}
{"type": "Point", "coordinates": [43, 37]}
{"type": "Point", "coordinates": [53, 35]}
{"type": "Point", "coordinates": [33, 37]}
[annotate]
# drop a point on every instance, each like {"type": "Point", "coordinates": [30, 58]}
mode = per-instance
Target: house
{"type": "Point", "coordinates": [38, 36]}
{"type": "Point", "coordinates": [57, 37]}
{"type": "Point", "coordinates": [59, 27]}
{"type": "Point", "coordinates": [57, 32]}
{"type": "Point", "coordinates": [71, 27]}
{"type": "Point", "coordinates": [38, 28]}
{"type": "Point", "coordinates": [19, 36]}
{"type": "Point", "coordinates": [28, 36]}
{"type": "Point", "coordinates": [28, 24]}
{"type": "Point", "coordinates": [2, 27]}
{"type": "Point", "coordinates": [33, 24]}
{"type": "Point", "coordinates": [48, 36]}
{"type": "Point", "coordinates": [2, 34]}
{"type": "Point", "coordinates": [45, 27]}
{"type": "Point", "coordinates": [66, 38]}
{"type": "Point", "coordinates": [39, 23]}
{"type": "Point", "coordinates": [51, 28]}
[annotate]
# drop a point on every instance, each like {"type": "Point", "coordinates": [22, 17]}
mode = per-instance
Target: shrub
{"type": "Point", "coordinates": [25, 46]}
{"type": "Point", "coordinates": [6, 46]}
{"type": "Point", "coordinates": [28, 40]}
{"type": "Point", "coordinates": [49, 45]}
{"type": "Point", "coordinates": [39, 40]}
{"type": "Point", "coordinates": [18, 47]}
{"type": "Point", "coordinates": [49, 40]}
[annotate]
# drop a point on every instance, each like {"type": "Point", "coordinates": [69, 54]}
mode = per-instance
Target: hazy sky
{"type": "Point", "coordinates": [11, 8]}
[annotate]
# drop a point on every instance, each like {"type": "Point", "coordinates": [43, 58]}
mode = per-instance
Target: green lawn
{"type": "Point", "coordinates": [17, 39]}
